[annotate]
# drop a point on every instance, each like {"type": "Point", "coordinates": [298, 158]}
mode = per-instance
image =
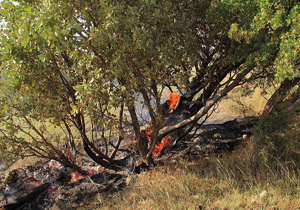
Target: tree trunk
{"type": "Point", "coordinates": [141, 142]}
{"type": "Point", "coordinates": [276, 102]}
{"type": "Point", "coordinates": [167, 130]}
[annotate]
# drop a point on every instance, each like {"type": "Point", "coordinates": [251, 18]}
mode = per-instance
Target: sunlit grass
{"type": "Point", "coordinates": [230, 182]}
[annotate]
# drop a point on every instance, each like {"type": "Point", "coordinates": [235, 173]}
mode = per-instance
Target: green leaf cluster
{"type": "Point", "coordinates": [61, 60]}
{"type": "Point", "coordinates": [273, 32]}
{"type": "Point", "coordinates": [73, 60]}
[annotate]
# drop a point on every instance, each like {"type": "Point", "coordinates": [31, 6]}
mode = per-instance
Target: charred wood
{"type": "Point", "coordinates": [27, 196]}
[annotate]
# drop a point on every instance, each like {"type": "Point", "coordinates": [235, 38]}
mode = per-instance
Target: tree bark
{"type": "Point", "coordinates": [116, 148]}
{"type": "Point", "coordinates": [277, 99]}
{"type": "Point", "coordinates": [141, 142]}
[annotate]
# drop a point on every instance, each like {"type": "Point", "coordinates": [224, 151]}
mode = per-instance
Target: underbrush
{"type": "Point", "coordinates": [263, 174]}
{"type": "Point", "coordinates": [230, 182]}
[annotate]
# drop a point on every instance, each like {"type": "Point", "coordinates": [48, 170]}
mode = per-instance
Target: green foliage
{"type": "Point", "coordinates": [276, 138]}
{"type": "Point", "coordinates": [274, 32]}
{"type": "Point", "coordinates": [73, 59]}
{"type": "Point", "coordinates": [288, 59]}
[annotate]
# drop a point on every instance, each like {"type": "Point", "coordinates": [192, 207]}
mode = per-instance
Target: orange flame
{"type": "Point", "coordinates": [76, 176]}
{"type": "Point", "coordinates": [53, 187]}
{"type": "Point", "coordinates": [165, 142]}
{"type": "Point", "coordinates": [90, 171]}
{"type": "Point", "coordinates": [173, 100]}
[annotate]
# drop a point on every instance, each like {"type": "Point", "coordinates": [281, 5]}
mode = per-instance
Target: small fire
{"type": "Point", "coordinates": [90, 171]}
{"type": "Point", "coordinates": [53, 187]}
{"type": "Point", "coordinates": [35, 179]}
{"type": "Point", "coordinates": [173, 100]}
{"type": "Point", "coordinates": [33, 185]}
{"type": "Point", "coordinates": [75, 177]}
{"type": "Point", "coordinates": [165, 142]}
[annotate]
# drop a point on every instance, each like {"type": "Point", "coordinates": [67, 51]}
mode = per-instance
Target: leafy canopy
{"type": "Point", "coordinates": [72, 62]}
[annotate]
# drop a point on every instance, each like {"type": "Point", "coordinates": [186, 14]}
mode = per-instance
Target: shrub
{"type": "Point", "coordinates": [276, 138]}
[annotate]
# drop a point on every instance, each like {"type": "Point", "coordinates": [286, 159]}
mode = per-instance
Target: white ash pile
{"type": "Point", "coordinates": [49, 183]}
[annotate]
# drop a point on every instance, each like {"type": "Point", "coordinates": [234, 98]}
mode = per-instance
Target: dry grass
{"type": "Point", "coordinates": [28, 161]}
{"type": "Point", "coordinates": [227, 183]}
{"type": "Point", "coordinates": [247, 105]}
{"type": "Point", "coordinates": [239, 180]}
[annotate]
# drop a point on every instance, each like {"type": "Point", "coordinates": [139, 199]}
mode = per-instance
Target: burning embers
{"type": "Point", "coordinates": [76, 176]}
{"type": "Point", "coordinates": [31, 187]}
{"type": "Point", "coordinates": [24, 183]}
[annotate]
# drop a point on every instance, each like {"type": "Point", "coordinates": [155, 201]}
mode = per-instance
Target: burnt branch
{"type": "Point", "coordinates": [167, 130]}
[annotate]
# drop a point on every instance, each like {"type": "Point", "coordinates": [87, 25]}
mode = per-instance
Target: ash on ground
{"type": "Point", "coordinates": [49, 185]}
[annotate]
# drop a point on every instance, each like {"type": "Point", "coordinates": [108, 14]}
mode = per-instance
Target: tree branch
{"type": "Point", "coordinates": [204, 110]}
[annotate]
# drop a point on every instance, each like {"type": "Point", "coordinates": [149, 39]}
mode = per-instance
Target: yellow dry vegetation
{"type": "Point", "coordinates": [230, 182]}
{"type": "Point", "coordinates": [236, 180]}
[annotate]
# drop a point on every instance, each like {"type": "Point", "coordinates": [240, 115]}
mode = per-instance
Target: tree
{"type": "Point", "coordinates": [73, 62]}
{"type": "Point", "coordinates": [279, 21]}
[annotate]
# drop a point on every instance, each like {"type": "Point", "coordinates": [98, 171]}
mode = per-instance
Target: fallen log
{"type": "Point", "coordinates": [25, 196]}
